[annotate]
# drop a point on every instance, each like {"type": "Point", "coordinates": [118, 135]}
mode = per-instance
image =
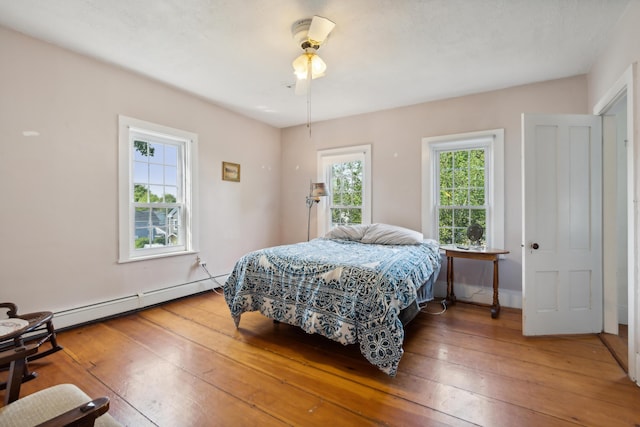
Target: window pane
{"type": "Point", "coordinates": [460, 237]}
{"type": "Point", "coordinates": [461, 159]}
{"type": "Point", "coordinates": [171, 155]}
{"type": "Point", "coordinates": [446, 236]}
{"type": "Point", "coordinates": [476, 178]}
{"type": "Point", "coordinates": [446, 218]}
{"type": "Point", "coordinates": [170, 175]}
{"type": "Point", "coordinates": [446, 197]}
{"type": "Point", "coordinates": [446, 179]}
{"type": "Point", "coordinates": [159, 217]}
{"type": "Point", "coordinates": [460, 197]}
{"type": "Point", "coordinates": [476, 159]}
{"type": "Point", "coordinates": [140, 172]}
{"type": "Point", "coordinates": [156, 174]}
{"type": "Point", "coordinates": [142, 151]}
{"type": "Point", "coordinates": [476, 197]}
{"type": "Point", "coordinates": [461, 217]}
{"type": "Point", "coordinates": [142, 217]}
{"type": "Point", "coordinates": [479, 216]}
{"type": "Point", "coordinates": [346, 199]}
{"type": "Point", "coordinates": [461, 178]}
{"type": "Point", "coordinates": [157, 152]}
{"type": "Point", "coordinates": [343, 216]}
{"type": "Point", "coordinates": [156, 192]}
{"type": "Point", "coordinates": [446, 161]}
{"type": "Point", "coordinates": [170, 194]}
{"type": "Point", "coordinates": [140, 193]}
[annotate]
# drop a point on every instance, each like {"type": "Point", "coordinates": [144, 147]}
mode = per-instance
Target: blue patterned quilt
{"type": "Point", "coordinates": [347, 291]}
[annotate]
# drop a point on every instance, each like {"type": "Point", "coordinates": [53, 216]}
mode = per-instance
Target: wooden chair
{"type": "Point", "coordinates": [37, 328]}
{"type": "Point", "coordinates": [40, 329]}
{"type": "Point", "coordinates": [60, 405]}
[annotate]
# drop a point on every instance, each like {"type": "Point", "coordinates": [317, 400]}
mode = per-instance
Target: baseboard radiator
{"type": "Point", "coordinates": [102, 310]}
{"type": "Point", "coordinates": [480, 294]}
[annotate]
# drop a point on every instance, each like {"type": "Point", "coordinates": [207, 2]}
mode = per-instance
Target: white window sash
{"type": "Point", "coordinates": [326, 158]}
{"type": "Point", "coordinates": [131, 129]}
{"type": "Point", "coordinates": [493, 142]}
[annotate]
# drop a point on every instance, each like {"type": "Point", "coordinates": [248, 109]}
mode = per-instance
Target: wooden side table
{"type": "Point", "coordinates": [488, 254]}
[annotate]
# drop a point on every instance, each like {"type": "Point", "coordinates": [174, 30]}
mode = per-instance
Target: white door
{"type": "Point", "coordinates": [562, 224]}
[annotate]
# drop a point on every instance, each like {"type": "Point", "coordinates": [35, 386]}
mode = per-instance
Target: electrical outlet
{"type": "Point", "coordinates": [200, 261]}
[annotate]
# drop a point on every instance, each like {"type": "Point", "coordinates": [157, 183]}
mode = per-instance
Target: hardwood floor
{"type": "Point", "coordinates": [618, 345]}
{"type": "Point", "coordinates": [185, 364]}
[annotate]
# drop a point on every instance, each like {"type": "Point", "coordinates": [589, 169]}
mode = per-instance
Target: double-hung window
{"type": "Point", "coordinates": [463, 185]}
{"type": "Point", "coordinates": [347, 174]}
{"type": "Point", "coordinates": [157, 184]}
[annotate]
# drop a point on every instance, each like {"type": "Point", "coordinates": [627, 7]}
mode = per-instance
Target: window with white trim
{"type": "Point", "coordinates": [463, 184]}
{"type": "Point", "coordinates": [157, 181]}
{"type": "Point", "coordinates": [347, 174]}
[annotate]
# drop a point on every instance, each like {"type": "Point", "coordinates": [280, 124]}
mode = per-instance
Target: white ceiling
{"type": "Point", "coordinates": [382, 53]}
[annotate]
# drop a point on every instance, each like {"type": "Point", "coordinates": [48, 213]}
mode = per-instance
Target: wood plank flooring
{"type": "Point", "coordinates": [185, 364]}
{"type": "Point", "coordinates": [618, 345]}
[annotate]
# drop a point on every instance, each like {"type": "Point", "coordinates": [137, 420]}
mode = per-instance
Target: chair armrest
{"type": "Point", "coordinates": [80, 416]}
{"type": "Point", "coordinates": [17, 353]}
{"type": "Point", "coordinates": [13, 309]}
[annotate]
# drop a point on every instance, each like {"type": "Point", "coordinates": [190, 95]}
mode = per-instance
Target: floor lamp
{"type": "Point", "coordinates": [317, 190]}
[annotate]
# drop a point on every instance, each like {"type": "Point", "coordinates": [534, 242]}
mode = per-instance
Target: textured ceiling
{"type": "Point", "coordinates": [382, 53]}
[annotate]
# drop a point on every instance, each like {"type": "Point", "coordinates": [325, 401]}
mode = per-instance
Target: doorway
{"type": "Point", "coordinates": [615, 231]}
{"type": "Point", "coordinates": [617, 109]}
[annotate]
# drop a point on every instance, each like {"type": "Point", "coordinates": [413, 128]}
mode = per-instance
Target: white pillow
{"type": "Point", "coordinates": [347, 232]}
{"type": "Point", "coordinates": [385, 234]}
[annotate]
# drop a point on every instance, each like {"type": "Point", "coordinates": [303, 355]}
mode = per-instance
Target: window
{"type": "Point", "coordinates": [463, 184]}
{"type": "Point", "coordinates": [347, 173]}
{"type": "Point", "coordinates": [157, 183]}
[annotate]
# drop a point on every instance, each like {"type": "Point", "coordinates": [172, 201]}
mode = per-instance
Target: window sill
{"type": "Point", "coordinates": [156, 256]}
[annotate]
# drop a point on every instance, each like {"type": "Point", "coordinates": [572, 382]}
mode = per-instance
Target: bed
{"type": "Point", "coordinates": [358, 284]}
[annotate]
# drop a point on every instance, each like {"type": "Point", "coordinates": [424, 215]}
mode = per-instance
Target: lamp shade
{"type": "Point", "coordinates": [318, 189]}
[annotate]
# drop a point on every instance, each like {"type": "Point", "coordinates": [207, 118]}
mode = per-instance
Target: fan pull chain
{"type": "Point", "coordinates": [309, 77]}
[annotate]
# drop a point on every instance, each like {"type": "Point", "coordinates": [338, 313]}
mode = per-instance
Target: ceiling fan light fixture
{"type": "Point", "coordinates": [310, 34]}
{"type": "Point", "coordinates": [301, 65]}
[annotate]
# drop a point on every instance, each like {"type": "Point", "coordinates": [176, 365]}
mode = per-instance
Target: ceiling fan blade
{"type": "Point", "coordinates": [319, 29]}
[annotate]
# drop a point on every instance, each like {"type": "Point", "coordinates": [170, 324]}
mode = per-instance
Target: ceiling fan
{"type": "Point", "coordinates": [310, 34]}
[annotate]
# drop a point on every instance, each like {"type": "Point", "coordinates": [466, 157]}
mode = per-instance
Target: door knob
{"type": "Point", "coordinates": [535, 246]}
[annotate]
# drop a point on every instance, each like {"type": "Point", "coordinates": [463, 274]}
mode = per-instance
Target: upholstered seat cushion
{"type": "Point", "coordinates": [46, 404]}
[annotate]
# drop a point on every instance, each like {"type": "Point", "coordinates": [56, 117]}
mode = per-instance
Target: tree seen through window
{"type": "Point", "coordinates": [346, 193]}
{"type": "Point", "coordinates": [462, 194]}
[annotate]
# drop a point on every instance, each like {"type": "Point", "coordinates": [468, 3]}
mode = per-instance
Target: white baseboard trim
{"type": "Point", "coordinates": [480, 294]}
{"type": "Point", "coordinates": [89, 313]}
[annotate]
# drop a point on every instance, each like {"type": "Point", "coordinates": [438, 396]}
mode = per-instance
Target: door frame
{"type": "Point", "coordinates": [625, 85]}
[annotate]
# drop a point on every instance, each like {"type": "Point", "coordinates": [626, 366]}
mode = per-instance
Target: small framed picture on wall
{"type": "Point", "coordinates": [231, 171]}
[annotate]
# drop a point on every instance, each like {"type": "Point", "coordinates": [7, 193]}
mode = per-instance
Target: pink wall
{"type": "Point", "coordinates": [396, 135]}
{"type": "Point", "coordinates": [622, 50]}
{"type": "Point", "coordinates": [59, 213]}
